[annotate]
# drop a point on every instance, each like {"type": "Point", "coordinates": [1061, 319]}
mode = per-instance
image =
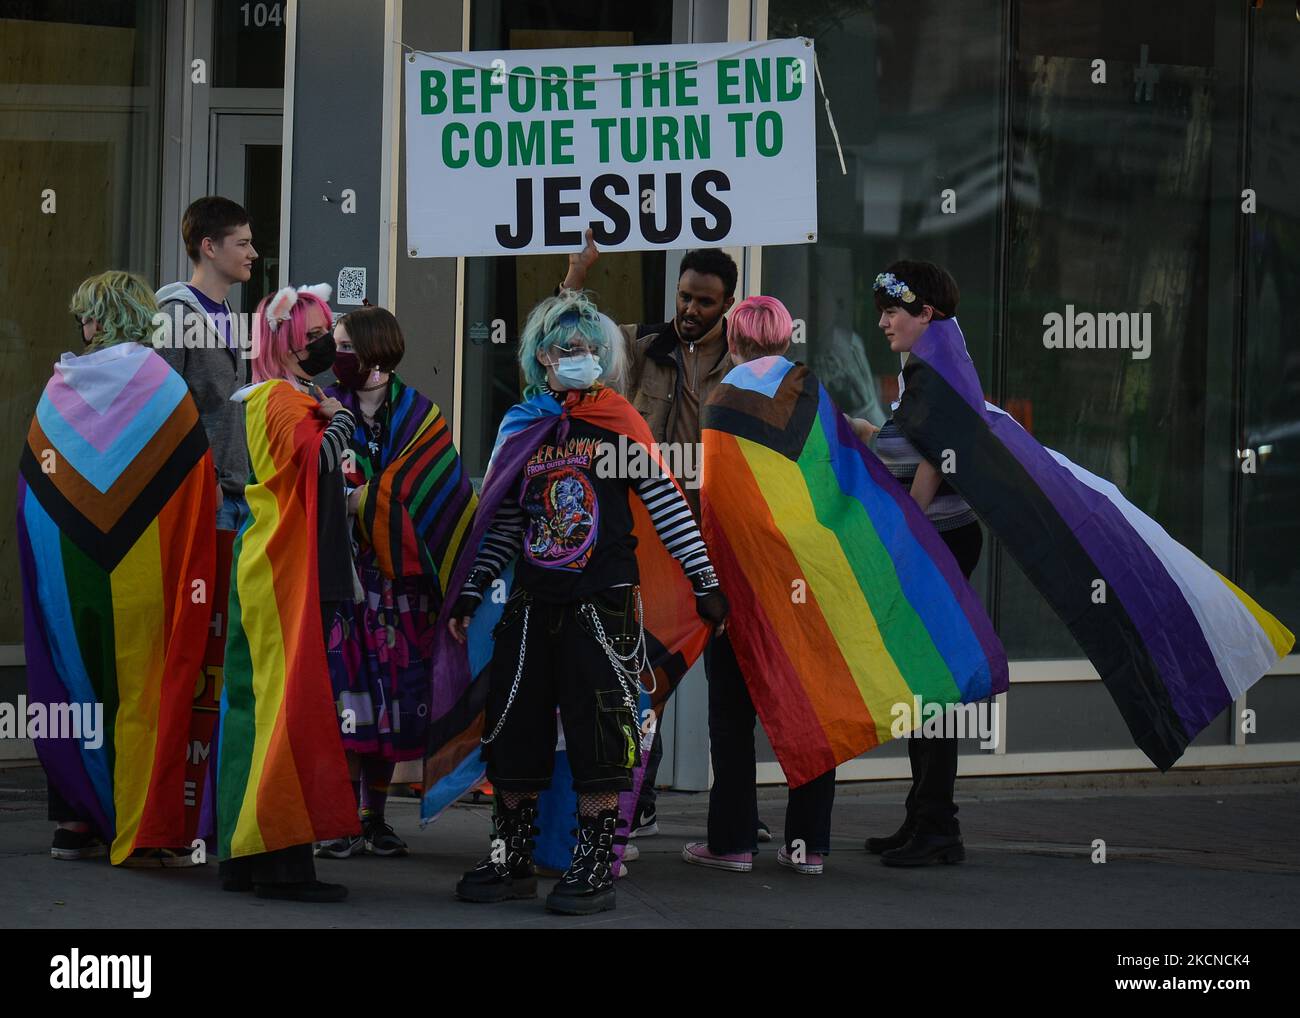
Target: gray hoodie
{"type": "Point", "coordinates": [212, 371]}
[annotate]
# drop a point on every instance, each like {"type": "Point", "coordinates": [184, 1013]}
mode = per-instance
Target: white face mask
{"type": "Point", "coordinates": [577, 372]}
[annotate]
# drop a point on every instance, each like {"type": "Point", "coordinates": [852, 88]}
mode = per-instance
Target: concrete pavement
{"type": "Point", "coordinates": [1184, 850]}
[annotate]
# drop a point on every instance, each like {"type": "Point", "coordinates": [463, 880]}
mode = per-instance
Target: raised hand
{"type": "Point", "coordinates": [580, 262]}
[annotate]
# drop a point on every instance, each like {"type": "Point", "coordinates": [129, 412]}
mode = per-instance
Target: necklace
{"type": "Point", "coordinates": [378, 405]}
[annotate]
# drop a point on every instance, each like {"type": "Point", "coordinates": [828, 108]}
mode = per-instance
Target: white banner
{"type": "Point", "coordinates": [520, 151]}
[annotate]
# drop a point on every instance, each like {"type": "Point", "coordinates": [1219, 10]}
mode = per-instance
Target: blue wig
{"type": "Point", "coordinates": [554, 323]}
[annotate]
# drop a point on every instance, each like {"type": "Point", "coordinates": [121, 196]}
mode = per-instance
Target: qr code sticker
{"type": "Point", "coordinates": [352, 285]}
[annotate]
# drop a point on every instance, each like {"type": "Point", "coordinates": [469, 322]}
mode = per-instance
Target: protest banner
{"type": "Point", "coordinates": [652, 147]}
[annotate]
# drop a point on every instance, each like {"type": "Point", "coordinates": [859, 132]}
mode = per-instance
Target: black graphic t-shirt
{"type": "Point", "coordinates": [578, 525]}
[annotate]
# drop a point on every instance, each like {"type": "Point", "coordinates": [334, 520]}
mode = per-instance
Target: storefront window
{"type": "Point", "coordinates": [80, 106]}
{"type": "Point", "coordinates": [1132, 137]}
{"type": "Point", "coordinates": [1100, 178]}
{"type": "Point", "coordinates": [917, 98]}
{"type": "Point", "coordinates": [1269, 531]}
{"type": "Point", "coordinates": [248, 43]}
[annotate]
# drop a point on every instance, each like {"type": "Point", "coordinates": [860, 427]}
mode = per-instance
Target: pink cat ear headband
{"type": "Point", "coordinates": [285, 298]}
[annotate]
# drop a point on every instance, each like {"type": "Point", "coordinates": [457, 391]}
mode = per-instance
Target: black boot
{"type": "Point", "coordinates": [515, 876]}
{"type": "Point", "coordinates": [588, 884]}
{"type": "Point", "coordinates": [925, 849]}
{"type": "Point", "coordinates": [896, 840]}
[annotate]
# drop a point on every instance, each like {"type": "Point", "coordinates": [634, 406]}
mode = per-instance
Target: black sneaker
{"type": "Point", "coordinates": [316, 891]}
{"type": "Point", "coordinates": [508, 872]}
{"type": "Point", "coordinates": [381, 839]}
{"type": "Point", "coordinates": [69, 844]}
{"type": "Point", "coordinates": [587, 886]}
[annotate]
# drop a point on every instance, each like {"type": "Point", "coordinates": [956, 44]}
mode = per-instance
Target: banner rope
{"type": "Point", "coordinates": [448, 58]}
{"type": "Point", "coordinates": [830, 119]}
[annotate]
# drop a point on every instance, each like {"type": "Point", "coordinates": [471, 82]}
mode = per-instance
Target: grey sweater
{"type": "Point", "coordinates": [213, 371]}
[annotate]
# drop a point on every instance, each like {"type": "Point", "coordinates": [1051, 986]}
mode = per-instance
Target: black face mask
{"type": "Point", "coordinates": [320, 355]}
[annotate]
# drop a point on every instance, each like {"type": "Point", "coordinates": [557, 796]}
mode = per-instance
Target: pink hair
{"type": "Point", "coordinates": [274, 348]}
{"type": "Point", "coordinates": [761, 325]}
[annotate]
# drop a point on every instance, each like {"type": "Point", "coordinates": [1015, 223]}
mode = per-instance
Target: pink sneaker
{"type": "Point", "coordinates": [812, 862]}
{"type": "Point", "coordinates": [697, 852]}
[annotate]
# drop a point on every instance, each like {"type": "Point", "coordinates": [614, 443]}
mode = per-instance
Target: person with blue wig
{"type": "Point", "coordinates": [573, 632]}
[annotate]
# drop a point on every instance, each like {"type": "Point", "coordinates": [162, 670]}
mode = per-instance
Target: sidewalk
{"type": "Point", "coordinates": [1221, 853]}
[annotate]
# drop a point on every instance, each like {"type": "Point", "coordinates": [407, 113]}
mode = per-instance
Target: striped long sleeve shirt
{"type": "Point", "coordinates": [947, 510]}
{"type": "Point", "coordinates": [572, 527]}
{"type": "Point", "coordinates": [335, 440]}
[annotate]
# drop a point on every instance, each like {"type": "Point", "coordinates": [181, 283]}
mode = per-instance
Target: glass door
{"type": "Point", "coordinates": [246, 169]}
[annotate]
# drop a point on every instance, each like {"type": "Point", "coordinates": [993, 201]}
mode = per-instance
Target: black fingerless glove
{"type": "Point", "coordinates": [465, 606]}
{"type": "Point", "coordinates": [712, 607]}
{"type": "Point", "coordinates": [475, 588]}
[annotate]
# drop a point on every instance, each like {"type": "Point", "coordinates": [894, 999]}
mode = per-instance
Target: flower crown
{"type": "Point", "coordinates": [895, 287]}
{"type": "Point", "coordinates": [279, 307]}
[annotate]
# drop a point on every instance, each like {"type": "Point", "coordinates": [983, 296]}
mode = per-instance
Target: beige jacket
{"type": "Point", "coordinates": [655, 387]}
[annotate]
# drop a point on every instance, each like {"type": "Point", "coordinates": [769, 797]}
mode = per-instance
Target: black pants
{"type": "Point", "coordinates": [292, 865]}
{"type": "Point", "coordinates": [649, 794]}
{"type": "Point", "coordinates": [733, 799]}
{"type": "Point", "coordinates": [295, 864]}
{"type": "Point", "coordinates": [564, 665]}
{"type": "Point", "coordinates": [59, 810]}
{"type": "Point", "coordinates": [930, 806]}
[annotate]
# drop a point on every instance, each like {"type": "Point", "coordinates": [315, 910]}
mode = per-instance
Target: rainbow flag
{"type": "Point", "coordinates": [1173, 640]}
{"type": "Point", "coordinates": [675, 635]}
{"type": "Point", "coordinates": [416, 514]}
{"type": "Point", "coordinates": [117, 545]}
{"type": "Point", "coordinates": [201, 761]}
{"type": "Point", "coordinates": [845, 602]}
{"type": "Point", "coordinates": [282, 776]}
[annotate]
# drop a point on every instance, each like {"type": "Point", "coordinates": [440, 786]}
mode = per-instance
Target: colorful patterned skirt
{"type": "Point", "coordinates": [379, 665]}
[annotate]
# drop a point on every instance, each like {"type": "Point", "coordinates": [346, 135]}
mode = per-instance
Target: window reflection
{"type": "Point", "coordinates": [1125, 222]}
{"type": "Point", "coordinates": [917, 98]}
{"type": "Point", "coordinates": [80, 108]}
{"type": "Point", "coordinates": [1075, 192]}
{"type": "Point", "coordinates": [1270, 520]}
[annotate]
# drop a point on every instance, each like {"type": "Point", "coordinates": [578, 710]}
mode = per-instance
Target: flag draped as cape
{"type": "Point", "coordinates": [117, 544]}
{"type": "Point", "coordinates": [415, 507]}
{"type": "Point", "coordinates": [415, 510]}
{"type": "Point", "coordinates": [845, 601]}
{"type": "Point", "coordinates": [282, 776]}
{"type": "Point", "coordinates": [675, 635]}
{"type": "Point", "coordinates": [1173, 640]}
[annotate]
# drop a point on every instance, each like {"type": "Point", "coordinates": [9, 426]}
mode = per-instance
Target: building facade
{"type": "Point", "coordinates": [1059, 157]}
